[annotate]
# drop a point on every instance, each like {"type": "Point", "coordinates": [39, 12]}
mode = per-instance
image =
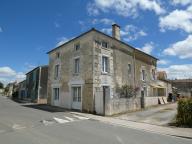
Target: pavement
{"type": "Point", "coordinates": [161, 115]}
{"type": "Point", "coordinates": [22, 124]}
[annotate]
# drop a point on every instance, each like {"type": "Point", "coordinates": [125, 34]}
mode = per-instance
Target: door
{"type": "Point", "coordinates": [76, 98]}
{"type": "Point", "coordinates": [56, 97]}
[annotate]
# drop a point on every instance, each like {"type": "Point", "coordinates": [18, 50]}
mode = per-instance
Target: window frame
{"type": "Point", "coordinates": [76, 93]}
{"type": "Point", "coordinates": [77, 48]}
{"type": "Point", "coordinates": [77, 67]}
{"type": "Point", "coordinates": [105, 44]}
{"type": "Point", "coordinates": [56, 93]}
{"type": "Point", "coordinates": [56, 71]}
{"type": "Point", "coordinates": [105, 66]}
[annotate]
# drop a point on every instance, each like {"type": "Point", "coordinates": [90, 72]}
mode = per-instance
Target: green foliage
{"type": "Point", "coordinates": [127, 91]}
{"type": "Point", "coordinates": [184, 112]}
{"type": "Point", "coordinates": [1, 85]}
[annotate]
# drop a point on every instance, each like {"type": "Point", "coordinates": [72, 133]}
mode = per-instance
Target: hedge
{"type": "Point", "coordinates": [184, 112]}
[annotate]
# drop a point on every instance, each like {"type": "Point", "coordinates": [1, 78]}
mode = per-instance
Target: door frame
{"type": "Point", "coordinates": [81, 86]}
{"type": "Point", "coordinates": [104, 96]}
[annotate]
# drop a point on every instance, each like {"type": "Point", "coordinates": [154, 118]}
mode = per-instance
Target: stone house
{"type": "Point", "coordinates": [22, 90]}
{"type": "Point", "coordinates": [36, 84]}
{"type": "Point", "coordinates": [183, 86]}
{"type": "Point", "coordinates": [94, 71]}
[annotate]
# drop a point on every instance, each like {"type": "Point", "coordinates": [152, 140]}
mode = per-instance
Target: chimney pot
{"type": "Point", "coordinates": [116, 31]}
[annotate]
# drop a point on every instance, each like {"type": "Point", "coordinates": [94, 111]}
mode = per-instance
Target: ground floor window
{"type": "Point", "coordinates": [56, 93]}
{"type": "Point", "coordinates": [76, 94]}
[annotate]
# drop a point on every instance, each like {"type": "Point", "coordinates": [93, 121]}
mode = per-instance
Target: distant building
{"type": "Point", "coordinates": [183, 86]}
{"type": "Point", "coordinates": [22, 90]}
{"type": "Point", "coordinates": [95, 72]}
{"type": "Point", "coordinates": [36, 84]}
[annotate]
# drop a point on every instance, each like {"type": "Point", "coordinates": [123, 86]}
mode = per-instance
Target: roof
{"type": "Point", "coordinates": [93, 29]}
{"type": "Point", "coordinates": [36, 68]}
{"type": "Point", "coordinates": [181, 80]}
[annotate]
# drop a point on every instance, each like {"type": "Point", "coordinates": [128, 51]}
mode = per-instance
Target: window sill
{"type": "Point", "coordinates": [76, 74]}
{"type": "Point", "coordinates": [105, 73]}
{"type": "Point", "coordinates": [105, 48]}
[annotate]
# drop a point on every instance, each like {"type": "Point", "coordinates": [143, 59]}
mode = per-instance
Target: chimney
{"type": "Point", "coordinates": [116, 31]}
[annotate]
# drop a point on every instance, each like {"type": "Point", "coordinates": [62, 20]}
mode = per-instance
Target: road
{"type": "Point", "coordinates": [25, 125]}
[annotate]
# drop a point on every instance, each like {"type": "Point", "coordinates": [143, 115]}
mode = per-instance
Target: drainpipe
{"type": "Point", "coordinates": [134, 69]}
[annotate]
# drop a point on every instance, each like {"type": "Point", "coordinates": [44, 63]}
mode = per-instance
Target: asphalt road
{"type": "Point", "coordinates": [25, 125]}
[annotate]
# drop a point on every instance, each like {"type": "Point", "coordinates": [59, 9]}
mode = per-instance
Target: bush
{"type": "Point", "coordinates": [184, 112]}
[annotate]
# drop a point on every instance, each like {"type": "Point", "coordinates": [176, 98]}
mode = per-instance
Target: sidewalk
{"type": "Point", "coordinates": [171, 131]}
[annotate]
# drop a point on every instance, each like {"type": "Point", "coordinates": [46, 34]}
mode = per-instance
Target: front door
{"type": "Point", "coordinates": [76, 98]}
{"type": "Point", "coordinates": [56, 96]}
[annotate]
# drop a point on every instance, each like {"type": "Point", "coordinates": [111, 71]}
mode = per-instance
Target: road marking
{"type": "Point", "coordinates": [47, 122]}
{"type": "Point", "coordinates": [58, 120]}
{"type": "Point", "coordinates": [80, 117]}
{"type": "Point", "coordinates": [18, 127]}
{"type": "Point", "coordinates": [68, 118]}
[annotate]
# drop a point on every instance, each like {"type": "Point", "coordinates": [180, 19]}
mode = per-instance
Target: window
{"type": "Point", "coordinates": [76, 94]}
{"type": "Point", "coordinates": [57, 55]}
{"type": "Point", "coordinates": [98, 43]}
{"type": "Point", "coordinates": [143, 75]}
{"type": "Point", "coordinates": [104, 44]}
{"type": "Point", "coordinates": [105, 64]}
{"type": "Point", "coordinates": [153, 74]}
{"type": "Point", "coordinates": [56, 71]}
{"type": "Point", "coordinates": [56, 93]}
{"type": "Point", "coordinates": [129, 69]}
{"type": "Point", "coordinates": [77, 62]}
{"type": "Point", "coordinates": [77, 46]}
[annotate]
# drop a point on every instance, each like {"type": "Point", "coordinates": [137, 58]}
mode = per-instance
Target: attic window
{"type": "Point", "coordinates": [77, 46]}
{"type": "Point", "coordinates": [57, 55]}
{"type": "Point", "coordinates": [104, 44]}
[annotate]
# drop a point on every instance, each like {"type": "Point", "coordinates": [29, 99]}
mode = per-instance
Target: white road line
{"type": "Point", "coordinates": [47, 122]}
{"type": "Point", "coordinates": [16, 126]}
{"type": "Point", "coordinates": [68, 118]}
{"type": "Point", "coordinates": [58, 120]}
{"type": "Point", "coordinates": [80, 117]}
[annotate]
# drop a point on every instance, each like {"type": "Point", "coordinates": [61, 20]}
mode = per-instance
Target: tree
{"type": "Point", "coordinates": [1, 85]}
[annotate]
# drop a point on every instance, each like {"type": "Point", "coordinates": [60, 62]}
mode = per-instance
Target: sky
{"type": "Point", "coordinates": [30, 28]}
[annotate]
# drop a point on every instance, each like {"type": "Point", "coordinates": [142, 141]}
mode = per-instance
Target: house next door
{"type": "Point", "coordinates": [76, 98]}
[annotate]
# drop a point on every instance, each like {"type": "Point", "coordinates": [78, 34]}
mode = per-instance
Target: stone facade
{"type": "Point", "coordinates": [36, 85]}
{"type": "Point", "coordinates": [105, 66]}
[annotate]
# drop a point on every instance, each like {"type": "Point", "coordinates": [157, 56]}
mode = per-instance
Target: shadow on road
{"type": "Point", "coordinates": [45, 107]}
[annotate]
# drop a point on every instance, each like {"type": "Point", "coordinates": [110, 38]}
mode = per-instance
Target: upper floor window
{"type": "Point", "coordinates": [153, 74]}
{"type": "Point", "coordinates": [143, 75]}
{"type": "Point", "coordinates": [104, 44]}
{"type": "Point", "coordinates": [77, 65]}
{"type": "Point", "coordinates": [105, 64]}
{"type": "Point", "coordinates": [129, 69]}
{"type": "Point", "coordinates": [77, 46]}
{"type": "Point", "coordinates": [56, 71]}
{"type": "Point", "coordinates": [58, 55]}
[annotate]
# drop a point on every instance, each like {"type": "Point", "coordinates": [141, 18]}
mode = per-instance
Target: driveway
{"type": "Point", "coordinates": [160, 115]}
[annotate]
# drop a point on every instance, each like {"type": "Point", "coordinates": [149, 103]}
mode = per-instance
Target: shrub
{"type": "Point", "coordinates": [184, 112]}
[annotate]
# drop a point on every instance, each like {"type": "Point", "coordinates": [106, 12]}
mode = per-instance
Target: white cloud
{"type": "Point", "coordinates": [182, 2]}
{"type": "Point", "coordinates": [6, 72]}
{"type": "Point", "coordinates": [105, 21]}
{"type": "Point", "coordinates": [182, 49]}
{"type": "Point", "coordinates": [62, 40]}
{"type": "Point", "coordinates": [124, 7]}
{"type": "Point", "coordinates": [178, 71]}
{"type": "Point", "coordinates": [163, 62]}
{"type": "Point", "coordinates": [147, 48]}
{"type": "Point", "coordinates": [7, 75]}
{"type": "Point", "coordinates": [177, 19]}
{"type": "Point", "coordinates": [1, 29]}
{"type": "Point", "coordinates": [128, 33]}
